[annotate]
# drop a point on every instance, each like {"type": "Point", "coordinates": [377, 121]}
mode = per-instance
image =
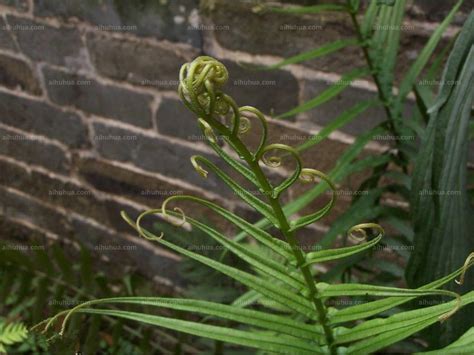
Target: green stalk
{"type": "Point", "coordinates": [290, 236]}
{"type": "Point", "coordinates": [386, 100]}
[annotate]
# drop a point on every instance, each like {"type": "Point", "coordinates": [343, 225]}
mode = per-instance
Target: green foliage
{"type": "Point", "coordinates": [36, 283]}
{"type": "Point", "coordinates": [441, 205]}
{"type": "Point", "coordinates": [440, 122]}
{"type": "Point", "coordinates": [286, 308]}
{"type": "Point", "coordinates": [11, 333]}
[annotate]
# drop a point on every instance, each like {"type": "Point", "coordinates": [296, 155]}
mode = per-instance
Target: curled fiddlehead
{"type": "Point", "coordinates": [275, 161]}
{"type": "Point", "coordinates": [468, 263]}
{"type": "Point", "coordinates": [308, 176]}
{"type": "Point", "coordinates": [358, 232]}
{"type": "Point", "coordinates": [200, 88]}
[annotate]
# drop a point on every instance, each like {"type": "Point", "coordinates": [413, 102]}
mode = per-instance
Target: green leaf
{"type": "Point", "coordinates": [259, 319]}
{"type": "Point", "coordinates": [420, 62]}
{"type": "Point", "coordinates": [12, 333]}
{"type": "Point", "coordinates": [340, 171]}
{"type": "Point", "coordinates": [392, 44]}
{"type": "Point", "coordinates": [241, 192]}
{"type": "Point", "coordinates": [278, 246]}
{"type": "Point", "coordinates": [278, 293]}
{"type": "Point", "coordinates": [235, 164]}
{"type": "Point", "coordinates": [253, 257]}
{"type": "Point", "coordinates": [372, 308]}
{"type": "Point", "coordinates": [339, 290]}
{"type": "Point", "coordinates": [380, 333]}
{"type": "Point", "coordinates": [334, 90]}
{"type": "Point", "coordinates": [267, 342]}
{"type": "Point", "coordinates": [455, 60]}
{"type": "Point", "coordinates": [440, 204]}
{"type": "Point", "coordinates": [315, 53]}
{"type": "Point", "coordinates": [369, 18]}
{"type": "Point", "coordinates": [334, 254]}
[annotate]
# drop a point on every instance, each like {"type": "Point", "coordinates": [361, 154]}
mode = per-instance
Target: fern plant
{"type": "Point", "coordinates": [419, 176]}
{"type": "Point", "coordinates": [11, 333]}
{"type": "Point", "coordinates": [295, 316]}
{"type": "Point", "coordinates": [41, 282]}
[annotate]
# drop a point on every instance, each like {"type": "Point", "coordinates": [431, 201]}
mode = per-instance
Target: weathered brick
{"type": "Point", "coordinates": [152, 154]}
{"type": "Point", "coordinates": [169, 20]}
{"type": "Point", "coordinates": [269, 91]}
{"type": "Point", "coordinates": [16, 233]}
{"type": "Point", "coordinates": [20, 5]}
{"type": "Point", "coordinates": [147, 190]}
{"type": "Point", "coordinates": [99, 99]}
{"type": "Point", "coordinates": [126, 183]}
{"type": "Point", "coordinates": [40, 118]}
{"type": "Point", "coordinates": [99, 240]}
{"type": "Point", "coordinates": [6, 39]}
{"type": "Point", "coordinates": [61, 46]}
{"type": "Point", "coordinates": [33, 151]}
{"type": "Point", "coordinates": [283, 35]}
{"type": "Point", "coordinates": [65, 194]}
{"type": "Point", "coordinates": [137, 61]}
{"type": "Point", "coordinates": [132, 254]}
{"type": "Point", "coordinates": [286, 35]}
{"type": "Point", "coordinates": [56, 192]}
{"type": "Point", "coordinates": [328, 111]}
{"type": "Point", "coordinates": [426, 10]}
{"type": "Point", "coordinates": [15, 73]}
{"type": "Point", "coordinates": [174, 119]}
{"type": "Point", "coordinates": [14, 205]}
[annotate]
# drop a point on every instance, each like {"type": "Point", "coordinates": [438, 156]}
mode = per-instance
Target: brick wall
{"type": "Point", "coordinates": [90, 122]}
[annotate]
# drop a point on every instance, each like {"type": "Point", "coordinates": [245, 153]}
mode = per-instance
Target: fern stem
{"type": "Point", "coordinates": [290, 237]}
{"type": "Point", "coordinates": [386, 100]}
